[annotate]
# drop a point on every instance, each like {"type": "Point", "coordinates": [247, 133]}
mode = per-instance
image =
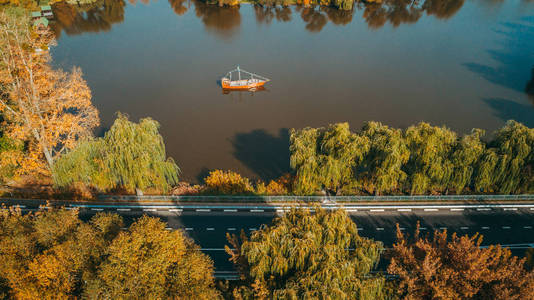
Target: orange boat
{"type": "Point", "coordinates": [253, 81]}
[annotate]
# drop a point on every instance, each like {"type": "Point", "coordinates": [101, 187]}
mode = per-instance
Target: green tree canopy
{"type": "Point", "coordinates": [130, 155]}
{"type": "Point", "coordinates": [308, 256]}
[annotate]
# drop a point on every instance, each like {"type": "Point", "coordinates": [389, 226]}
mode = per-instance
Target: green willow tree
{"type": "Point", "coordinates": [130, 155]}
{"type": "Point", "coordinates": [508, 164]}
{"type": "Point", "coordinates": [307, 256]}
{"type": "Point", "coordinates": [326, 158]}
{"type": "Point", "coordinates": [422, 159]}
{"type": "Point", "coordinates": [429, 166]}
{"type": "Point", "coordinates": [465, 158]}
{"type": "Point", "coordinates": [387, 155]}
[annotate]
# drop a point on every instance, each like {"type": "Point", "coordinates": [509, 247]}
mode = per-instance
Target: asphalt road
{"type": "Point", "coordinates": [506, 224]}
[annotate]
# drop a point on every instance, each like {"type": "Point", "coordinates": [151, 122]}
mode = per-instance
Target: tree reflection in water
{"type": "Point", "coordinates": [225, 20]}
{"type": "Point", "coordinates": [96, 17]}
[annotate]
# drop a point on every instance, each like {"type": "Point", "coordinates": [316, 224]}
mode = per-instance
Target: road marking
{"type": "Point", "coordinates": [442, 228]}
{"type": "Point", "coordinates": [511, 208]}
{"type": "Point", "coordinates": [175, 210]}
{"type": "Point", "coordinates": [481, 209]}
{"type": "Point", "coordinates": [189, 228]}
{"type": "Point", "coordinates": [351, 210]}
{"type": "Point", "coordinates": [464, 228]}
{"type": "Point", "coordinates": [149, 209]}
{"type": "Point", "coordinates": [231, 229]}
{"type": "Point", "coordinates": [201, 209]}
{"type": "Point", "coordinates": [124, 209]}
{"type": "Point", "coordinates": [360, 228]}
{"type": "Point", "coordinates": [376, 210]}
{"type": "Point", "coordinates": [210, 228]}
{"type": "Point", "coordinates": [404, 209]}
{"type": "Point", "coordinates": [527, 227]}
{"type": "Point", "coordinates": [97, 209]}
{"type": "Point", "coordinates": [252, 229]}
{"type": "Point", "coordinates": [402, 228]}
{"type": "Point", "coordinates": [485, 227]}
{"type": "Point", "coordinates": [168, 228]}
{"type": "Point", "coordinates": [379, 228]}
{"type": "Point", "coordinates": [422, 228]}
{"type": "Point", "coordinates": [506, 227]}
{"type": "Point", "coordinates": [230, 210]}
{"type": "Point", "coordinates": [532, 208]}
{"type": "Point", "coordinates": [457, 209]}
{"type": "Point", "coordinates": [256, 210]}
{"type": "Point", "coordinates": [431, 209]}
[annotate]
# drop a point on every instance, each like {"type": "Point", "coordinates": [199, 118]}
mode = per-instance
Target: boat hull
{"type": "Point", "coordinates": [229, 86]}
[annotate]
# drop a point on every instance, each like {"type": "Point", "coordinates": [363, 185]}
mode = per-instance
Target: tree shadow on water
{"type": "Point", "coordinates": [510, 110]}
{"type": "Point", "coordinates": [514, 57]}
{"type": "Point", "coordinates": [265, 154]}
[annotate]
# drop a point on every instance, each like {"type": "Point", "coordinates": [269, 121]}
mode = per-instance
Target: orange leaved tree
{"type": "Point", "coordinates": [50, 110]}
{"type": "Point", "coordinates": [457, 268]}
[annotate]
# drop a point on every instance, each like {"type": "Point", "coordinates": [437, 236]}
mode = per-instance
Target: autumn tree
{"type": "Point", "coordinates": [52, 254]}
{"type": "Point", "coordinates": [149, 262]}
{"type": "Point", "coordinates": [457, 268]}
{"type": "Point", "coordinates": [50, 110]}
{"type": "Point", "coordinates": [130, 155]}
{"type": "Point", "coordinates": [306, 255]}
{"type": "Point", "coordinates": [220, 182]}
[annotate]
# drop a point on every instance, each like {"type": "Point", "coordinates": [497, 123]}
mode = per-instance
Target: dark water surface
{"type": "Point", "coordinates": [454, 63]}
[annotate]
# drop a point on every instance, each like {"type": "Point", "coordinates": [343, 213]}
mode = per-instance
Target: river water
{"type": "Point", "coordinates": [461, 64]}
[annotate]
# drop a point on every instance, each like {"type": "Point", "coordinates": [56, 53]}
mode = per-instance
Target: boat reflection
{"type": "Point", "coordinates": [244, 90]}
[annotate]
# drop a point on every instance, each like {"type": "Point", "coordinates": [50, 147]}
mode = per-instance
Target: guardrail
{"type": "Point", "coordinates": [312, 199]}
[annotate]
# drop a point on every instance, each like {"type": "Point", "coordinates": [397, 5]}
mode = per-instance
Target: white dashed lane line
{"type": "Point", "coordinates": [175, 210]}
{"type": "Point", "coordinates": [457, 209]}
{"type": "Point", "coordinates": [123, 209]}
{"type": "Point", "coordinates": [256, 210]}
{"type": "Point", "coordinates": [510, 208]}
{"type": "Point", "coordinates": [506, 227]}
{"type": "Point", "coordinates": [464, 228]}
{"type": "Point", "coordinates": [149, 209]}
{"type": "Point", "coordinates": [376, 210]}
{"type": "Point", "coordinates": [483, 209]}
{"type": "Point", "coordinates": [202, 209]}
{"type": "Point", "coordinates": [431, 209]}
{"type": "Point", "coordinates": [379, 228]}
{"type": "Point", "coordinates": [252, 229]}
{"type": "Point", "coordinates": [210, 228]}
{"type": "Point", "coordinates": [527, 227]}
{"type": "Point", "coordinates": [404, 209]}
{"type": "Point", "coordinates": [97, 209]}
{"type": "Point", "coordinates": [230, 210]}
{"type": "Point", "coordinates": [189, 228]}
{"type": "Point", "coordinates": [485, 227]}
{"type": "Point", "coordinates": [231, 229]}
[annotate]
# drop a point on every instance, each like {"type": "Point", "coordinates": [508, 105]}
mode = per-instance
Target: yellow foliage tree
{"type": "Point", "coordinates": [49, 109]}
{"type": "Point", "coordinates": [149, 262]}
{"type": "Point", "coordinates": [227, 183]}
